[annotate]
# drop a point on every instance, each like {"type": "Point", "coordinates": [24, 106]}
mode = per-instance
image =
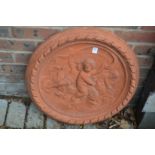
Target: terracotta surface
{"type": "Point", "coordinates": [82, 75]}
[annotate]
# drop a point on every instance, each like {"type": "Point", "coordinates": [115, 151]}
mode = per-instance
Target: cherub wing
{"type": "Point", "coordinates": [107, 75]}
{"type": "Point", "coordinates": [107, 67]}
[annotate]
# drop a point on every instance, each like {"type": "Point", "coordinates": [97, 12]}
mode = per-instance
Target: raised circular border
{"type": "Point", "coordinates": [72, 35]}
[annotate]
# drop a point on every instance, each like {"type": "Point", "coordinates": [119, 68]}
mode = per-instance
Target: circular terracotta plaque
{"type": "Point", "coordinates": [82, 75]}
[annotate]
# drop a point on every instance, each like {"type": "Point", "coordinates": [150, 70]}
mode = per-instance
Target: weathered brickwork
{"type": "Point", "coordinates": [16, 115]}
{"type": "Point", "coordinates": [35, 118]}
{"type": "Point", "coordinates": [18, 43]}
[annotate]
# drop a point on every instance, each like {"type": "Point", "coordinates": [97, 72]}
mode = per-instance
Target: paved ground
{"type": "Point", "coordinates": [21, 114]}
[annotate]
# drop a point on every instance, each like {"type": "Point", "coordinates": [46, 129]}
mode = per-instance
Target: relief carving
{"type": "Point", "coordinates": [81, 80]}
{"type": "Point", "coordinates": [82, 75]}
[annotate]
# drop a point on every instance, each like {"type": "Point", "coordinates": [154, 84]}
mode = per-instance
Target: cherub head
{"type": "Point", "coordinates": [88, 65]}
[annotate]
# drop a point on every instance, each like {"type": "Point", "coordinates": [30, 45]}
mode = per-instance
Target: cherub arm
{"type": "Point", "coordinates": [97, 71]}
{"type": "Point", "coordinates": [88, 80]}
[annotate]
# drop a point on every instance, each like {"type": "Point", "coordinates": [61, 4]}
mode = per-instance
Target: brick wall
{"type": "Point", "coordinates": [18, 43]}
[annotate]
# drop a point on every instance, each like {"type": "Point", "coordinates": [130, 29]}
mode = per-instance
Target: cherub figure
{"type": "Point", "coordinates": [85, 81]}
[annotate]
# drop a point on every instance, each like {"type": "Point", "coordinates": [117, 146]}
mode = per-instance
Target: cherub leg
{"type": "Point", "coordinates": [81, 94]}
{"type": "Point", "coordinates": [93, 95]}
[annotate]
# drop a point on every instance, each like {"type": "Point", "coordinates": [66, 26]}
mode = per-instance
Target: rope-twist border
{"type": "Point", "coordinates": [62, 39]}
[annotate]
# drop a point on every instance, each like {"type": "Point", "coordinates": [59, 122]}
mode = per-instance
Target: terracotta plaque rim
{"type": "Point", "coordinates": [73, 35]}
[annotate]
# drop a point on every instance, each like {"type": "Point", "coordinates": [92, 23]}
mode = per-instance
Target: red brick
{"type": "Point", "coordinates": [17, 45]}
{"type": "Point", "coordinates": [136, 36]}
{"type": "Point", "coordinates": [149, 28]}
{"type": "Point", "coordinates": [22, 58]}
{"type": "Point", "coordinates": [6, 57]}
{"type": "Point", "coordinates": [12, 69]}
{"type": "Point", "coordinates": [12, 78]}
{"type": "Point", "coordinates": [4, 31]}
{"type": "Point", "coordinates": [13, 89]}
{"type": "Point", "coordinates": [131, 46]}
{"type": "Point", "coordinates": [143, 49]}
{"type": "Point", "coordinates": [39, 33]}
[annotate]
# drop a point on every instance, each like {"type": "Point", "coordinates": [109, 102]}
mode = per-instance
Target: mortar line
{"type": "Point", "coordinates": [10, 32]}
{"type": "Point", "coordinates": [45, 122]}
{"type": "Point", "coordinates": [141, 43]}
{"type": "Point", "coordinates": [20, 64]}
{"type": "Point", "coordinates": [6, 115]}
{"type": "Point", "coordinates": [22, 39]}
{"type": "Point", "coordinates": [115, 29]}
{"type": "Point", "coordinates": [44, 27]}
{"type": "Point", "coordinates": [21, 83]}
{"type": "Point", "coordinates": [144, 56]}
{"type": "Point", "coordinates": [16, 52]}
{"type": "Point", "coordinates": [26, 115]}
